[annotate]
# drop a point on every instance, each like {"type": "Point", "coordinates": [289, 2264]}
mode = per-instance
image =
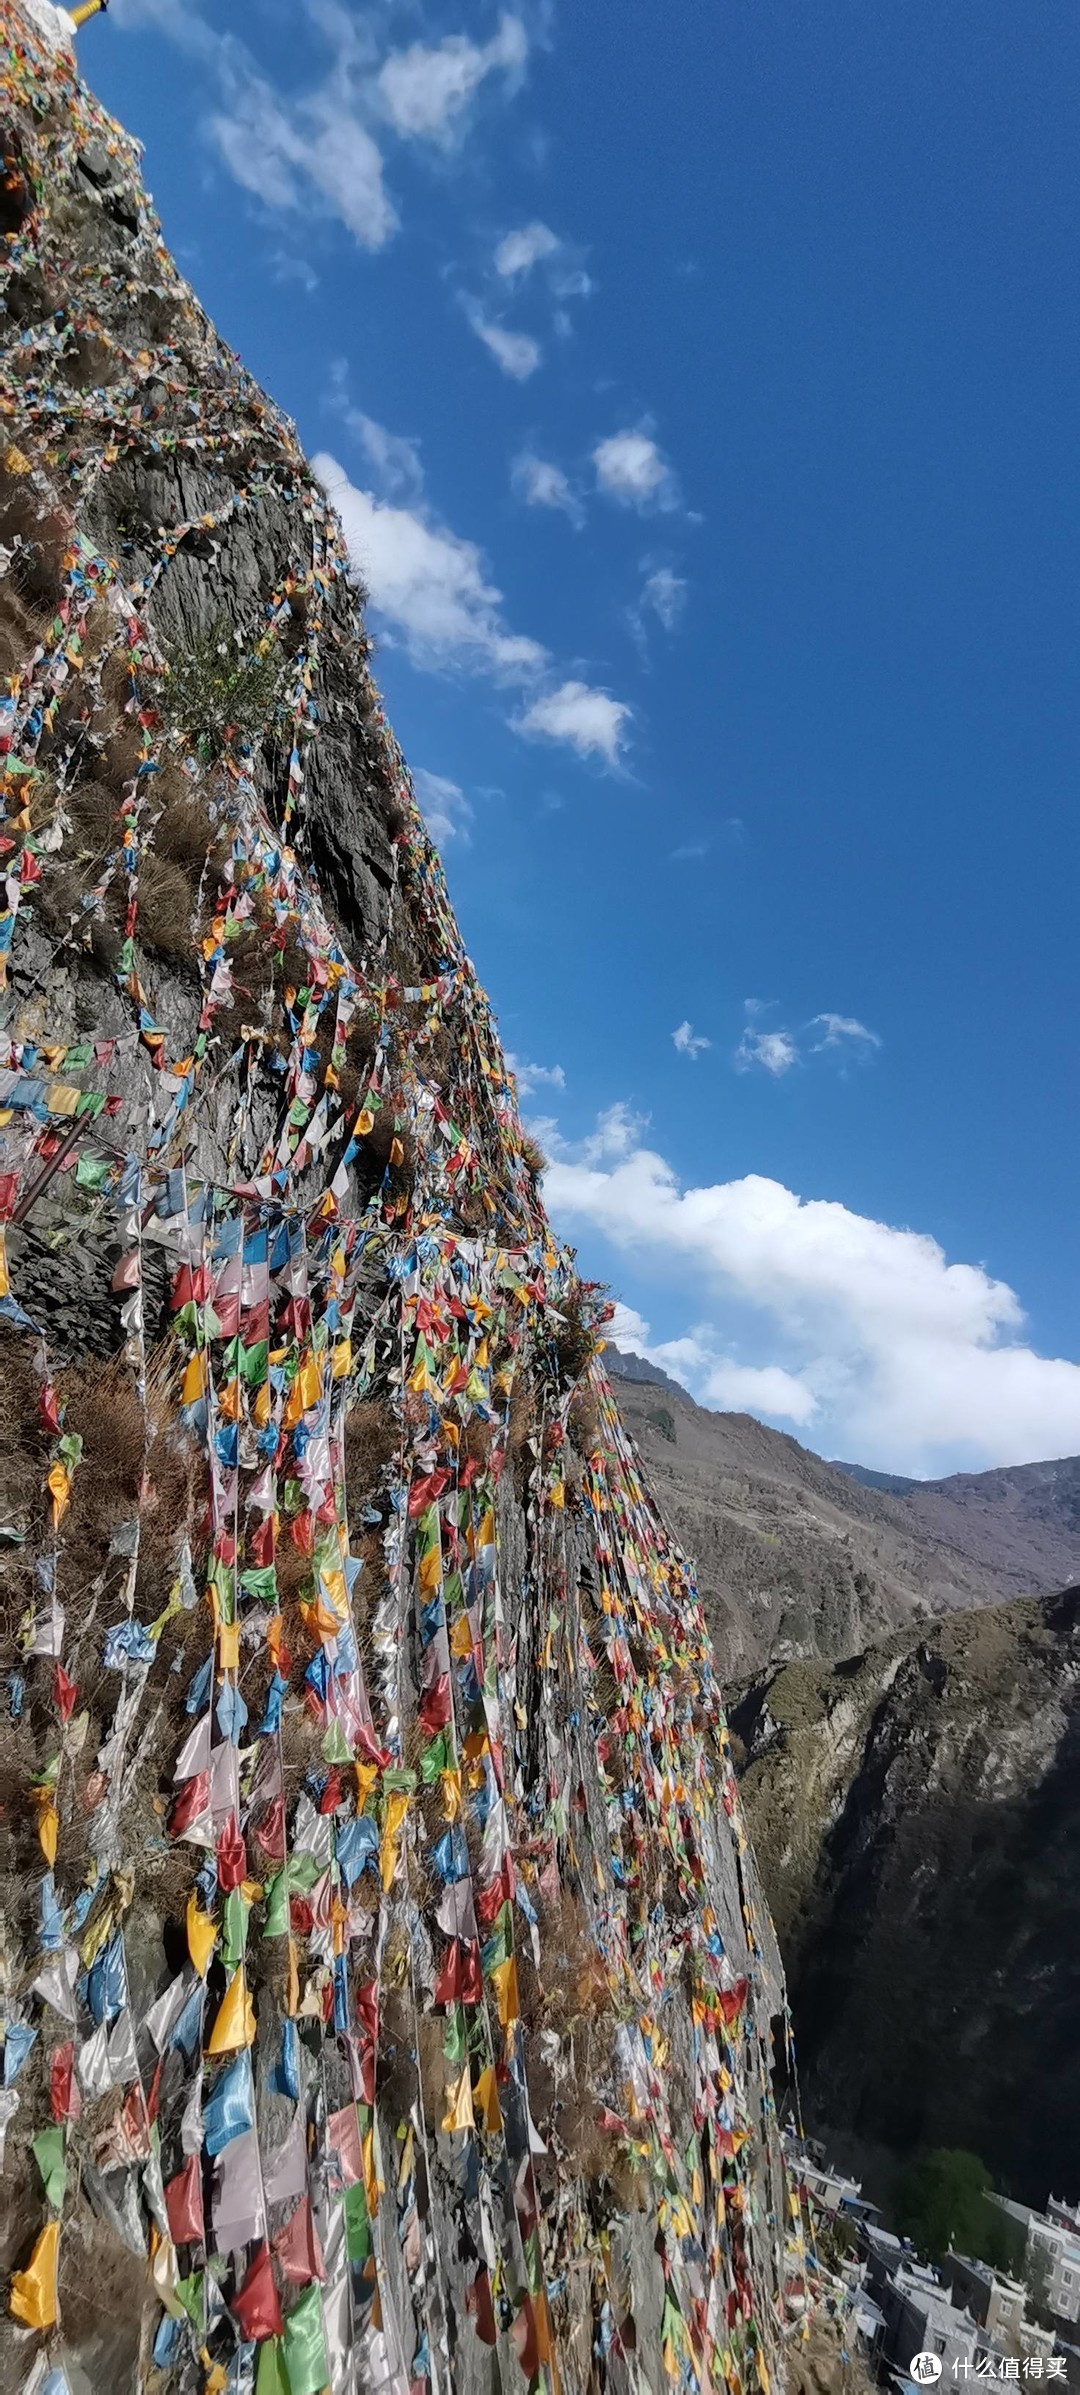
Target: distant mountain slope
{"type": "Point", "coordinates": [916, 1817]}
{"type": "Point", "coordinates": [797, 1557]}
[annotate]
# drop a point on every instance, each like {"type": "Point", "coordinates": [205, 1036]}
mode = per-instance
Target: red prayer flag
{"type": "Point", "coordinates": [256, 2303]}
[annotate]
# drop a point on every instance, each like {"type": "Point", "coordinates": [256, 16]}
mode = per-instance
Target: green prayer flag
{"type": "Point", "coordinates": [92, 1171]}
{"type": "Point", "coordinates": [357, 2233]}
{"type": "Point", "coordinates": [271, 2377]}
{"type": "Point", "coordinates": [189, 2291]}
{"type": "Point", "coordinates": [235, 1928]}
{"type": "Point", "coordinates": [335, 1745]}
{"type": "Point", "coordinates": [276, 1924]}
{"type": "Point", "coordinates": [435, 1759]}
{"type": "Point", "coordinates": [48, 2150]}
{"type": "Point", "coordinates": [305, 2346]}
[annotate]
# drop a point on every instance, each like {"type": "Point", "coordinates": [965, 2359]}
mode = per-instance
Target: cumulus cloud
{"type": "Point", "coordinates": [774, 1051]}
{"type": "Point", "coordinates": [688, 1042]}
{"type": "Point", "coordinates": [631, 470]}
{"type": "Point", "coordinates": [519, 252]}
{"type": "Point", "coordinates": [542, 484]}
{"type": "Point", "coordinates": [883, 1347]}
{"type": "Point", "coordinates": [531, 1077]}
{"type": "Point", "coordinates": [590, 721]}
{"type": "Point", "coordinates": [424, 91]}
{"type": "Point", "coordinates": [445, 808]}
{"type": "Point", "coordinates": [516, 353]}
{"type": "Point", "coordinates": [430, 587]}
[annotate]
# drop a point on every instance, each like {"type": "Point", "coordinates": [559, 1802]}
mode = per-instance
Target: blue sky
{"type": "Point", "coordinates": [699, 387]}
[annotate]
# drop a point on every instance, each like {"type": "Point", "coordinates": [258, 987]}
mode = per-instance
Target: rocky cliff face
{"type": "Point", "coordinates": [385, 1988]}
{"type": "Point", "coordinates": [916, 1812]}
{"type": "Point", "coordinates": [795, 1557]}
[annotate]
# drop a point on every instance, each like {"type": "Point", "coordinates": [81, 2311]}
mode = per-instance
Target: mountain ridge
{"type": "Point", "coordinates": [795, 1556]}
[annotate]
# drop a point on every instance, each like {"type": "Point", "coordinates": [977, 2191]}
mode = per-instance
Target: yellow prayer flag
{"type": "Point", "coordinates": [229, 1646]}
{"type": "Point", "coordinates": [193, 1385]}
{"type": "Point", "coordinates": [459, 2104]}
{"type": "Point", "coordinates": [504, 1982]}
{"type": "Point", "coordinates": [235, 2022]}
{"type": "Point", "coordinates": [33, 2290]}
{"type": "Point", "coordinates": [201, 1937]}
{"type": "Point", "coordinates": [59, 1486]}
{"type": "Point", "coordinates": [397, 1805]}
{"type": "Point", "coordinates": [486, 2101]}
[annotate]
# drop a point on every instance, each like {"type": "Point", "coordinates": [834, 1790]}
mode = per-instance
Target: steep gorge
{"type": "Point", "coordinates": [385, 1985]}
{"type": "Point", "coordinates": [916, 1811]}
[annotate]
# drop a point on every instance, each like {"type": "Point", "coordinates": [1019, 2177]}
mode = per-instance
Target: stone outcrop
{"type": "Point", "coordinates": [385, 1988]}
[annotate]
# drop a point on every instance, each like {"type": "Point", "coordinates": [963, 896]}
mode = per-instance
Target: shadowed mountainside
{"type": "Point", "coordinates": [916, 1815]}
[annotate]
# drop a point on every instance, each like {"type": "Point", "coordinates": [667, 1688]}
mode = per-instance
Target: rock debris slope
{"type": "Point", "coordinates": [385, 1988]}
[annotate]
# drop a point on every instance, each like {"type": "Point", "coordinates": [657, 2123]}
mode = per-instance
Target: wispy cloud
{"type": "Point", "coordinates": [516, 353]}
{"type": "Point", "coordinates": [519, 252]}
{"type": "Point", "coordinates": [394, 459]}
{"type": "Point", "coordinates": [772, 1052]}
{"type": "Point", "coordinates": [434, 595]}
{"type": "Point", "coordinates": [842, 1031]}
{"type": "Point", "coordinates": [541, 484]}
{"type": "Point", "coordinates": [316, 148]}
{"type": "Point", "coordinates": [445, 808]}
{"type": "Point", "coordinates": [590, 721]}
{"type": "Point", "coordinates": [424, 92]}
{"type": "Point", "coordinates": [663, 594]}
{"type": "Point", "coordinates": [688, 1042]}
{"type": "Point", "coordinates": [531, 1077]}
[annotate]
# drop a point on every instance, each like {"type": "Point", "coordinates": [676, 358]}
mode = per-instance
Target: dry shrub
{"type": "Point", "coordinates": [165, 920]}
{"type": "Point", "coordinates": [533, 1156]}
{"type": "Point", "coordinates": [372, 1443]}
{"type": "Point", "coordinates": [23, 1438]}
{"type": "Point", "coordinates": [476, 1442]}
{"type": "Point", "coordinates": [576, 1336]}
{"type": "Point", "coordinates": [583, 1421]}
{"type": "Point", "coordinates": [119, 1445]}
{"type": "Point", "coordinates": [21, 628]}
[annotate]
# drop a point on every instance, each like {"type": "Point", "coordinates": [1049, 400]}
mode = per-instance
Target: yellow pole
{"type": "Point", "coordinates": [88, 8]}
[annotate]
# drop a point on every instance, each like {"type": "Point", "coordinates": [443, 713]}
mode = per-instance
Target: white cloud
{"type": "Point", "coordinates": [519, 252]}
{"type": "Point", "coordinates": [664, 594]}
{"type": "Point", "coordinates": [541, 484]}
{"type": "Point", "coordinates": [889, 1351]}
{"type": "Point", "coordinates": [531, 1077]}
{"type": "Point", "coordinates": [308, 155]}
{"type": "Point", "coordinates": [393, 458]}
{"type": "Point", "coordinates": [774, 1051]}
{"type": "Point", "coordinates": [631, 470]}
{"type": "Point", "coordinates": [315, 152]}
{"type": "Point", "coordinates": [689, 1042]}
{"type": "Point", "coordinates": [424, 92]}
{"type": "Point", "coordinates": [445, 808]}
{"type": "Point", "coordinates": [430, 587]}
{"type": "Point", "coordinates": [618, 1131]}
{"type": "Point", "coordinates": [839, 1030]}
{"type": "Point", "coordinates": [590, 721]}
{"type": "Point", "coordinates": [690, 852]}
{"type": "Point", "coordinates": [516, 353]}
